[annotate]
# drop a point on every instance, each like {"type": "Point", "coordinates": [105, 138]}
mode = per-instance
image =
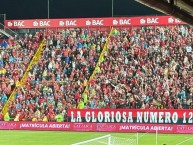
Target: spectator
{"type": "Point", "coordinates": [6, 117]}
{"type": "Point", "coordinates": [59, 118]}
{"type": "Point", "coordinates": [1, 116]}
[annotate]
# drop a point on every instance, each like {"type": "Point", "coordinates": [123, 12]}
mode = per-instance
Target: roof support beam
{"type": "Point", "coordinates": [186, 5]}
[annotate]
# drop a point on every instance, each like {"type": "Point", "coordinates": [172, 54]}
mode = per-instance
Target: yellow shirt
{"type": "Point", "coordinates": [85, 82]}
{"type": "Point", "coordinates": [97, 69]}
{"type": "Point", "coordinates": [85, 96]}
{"type": "Point", "coordinates": [80, 105]}
{"type": "Point", "coordinates": [16, 118]}
{"type": "Point", "coordinates": [45, 119]}
{"type": "Point", "coordinates": [45, 73]}
{"type": "Point", "coordinates": [3, 71]}
{"type": "Point", "coordinates": [34, 119]}
{"type": "Point", "coordinates": [93, 46]}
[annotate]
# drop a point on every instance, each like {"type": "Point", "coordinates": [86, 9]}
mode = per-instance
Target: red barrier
{"type": "Point", "coordinates": [169, 116]}
{"type": "Point", "coordinates": [103, 127]}
{"type": "Point", "coordinates": [92, 22]}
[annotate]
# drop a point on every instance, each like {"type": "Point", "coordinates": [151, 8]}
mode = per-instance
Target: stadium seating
{"type": "Point", "coordinates": [144, 67]}
{"type": "Point", "coordinates": [14, 58]}
{"type": "Point", "coordinates": [57, 81]}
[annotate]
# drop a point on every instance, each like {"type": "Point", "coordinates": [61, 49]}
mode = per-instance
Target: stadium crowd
{"type": "Point", "coordinates": [14, 59]}
{"type": "Point", "coordinates": [144, 67]}
{"type": "Point", "coordinates": [147, 68]}
{"type": "Point", "coordinates": [56, 82]}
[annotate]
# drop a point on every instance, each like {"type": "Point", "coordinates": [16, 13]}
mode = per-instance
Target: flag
{"type": "Point", "coordinates": [4, 44]}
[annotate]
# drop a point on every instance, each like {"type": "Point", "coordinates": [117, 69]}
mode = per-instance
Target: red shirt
{"type": "Point", "coordinates": [92, 82]}
{"type": "Point", "coordinates": [77, 95]}
{"type": "Point", "coordinates": [1, 117]}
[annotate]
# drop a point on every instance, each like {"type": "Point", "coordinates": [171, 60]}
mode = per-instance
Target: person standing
{"type": "Point", "coordinates": [6, 117]}
{"type": "Point", "coordinates": [59, 118]}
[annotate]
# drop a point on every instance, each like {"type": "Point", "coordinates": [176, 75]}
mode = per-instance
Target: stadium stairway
{"type": "Point", "coordinates": [101, 59]}
{"type": "Point", "coordinates": [33, 61]}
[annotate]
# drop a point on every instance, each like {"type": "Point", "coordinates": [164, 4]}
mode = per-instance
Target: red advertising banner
{"type": "Point", "coordinates": [131, 116]}
{"type": "Point", "coordinates": [101, 127]}
{"type": "Point", "coordinates": [92, 22]}
{"type": "Point", "coordinates": [34, 125]}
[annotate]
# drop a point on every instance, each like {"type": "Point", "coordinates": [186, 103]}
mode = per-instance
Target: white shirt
{"type": "Point", "coordinates": [188, 49]}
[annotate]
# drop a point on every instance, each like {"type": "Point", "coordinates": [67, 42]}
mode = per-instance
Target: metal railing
{"type": "Point", "coordinates": [8, 32]}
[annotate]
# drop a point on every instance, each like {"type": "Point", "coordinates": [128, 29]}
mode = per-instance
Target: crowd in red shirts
{"type": "Point", "coordinates": [14, 59]}
{"type": "Point", "coordinates": [58, 79]}
{"type": "Point", "coordinates": [144, 67]}
{"type": "Point", "coordinates": [148, 68]}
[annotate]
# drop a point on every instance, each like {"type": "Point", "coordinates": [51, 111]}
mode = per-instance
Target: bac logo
{"type": "Point", "coordinates": [149, 21]}
{"type": "Point", "coordinates": [94, 22]}
{"type": "Point", "coordinates": [68, 23]}
{"type": "Point", "coordinates": [173, 20]}
{"type": "Point", "coordinates": [170, 20]}
{"type": "Point", "coordinates": [15, 24]}
{"type": "Point", "coordinates": [71, 23]}
{"type": "Point", "coordinates": [88, 23]}
{"type": "Point", "coordinates": [9, 24]}
{"type": "Point", "coordinates": [41, 23]}
{"type": "Point", "coordinates": [35, 24]}
{"type": "Point", "coordinates": [115, 22]}
{"type": "Point", "coordinates": [122, 22]}
{"type": "Point", "coordinates": [61, 23]}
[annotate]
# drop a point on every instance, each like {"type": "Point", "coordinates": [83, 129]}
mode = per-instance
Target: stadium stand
{"type": "Point", "coordinates": [58, 79]}
{"type": "Point", "coordinates": [146, 67]}
{"type": "Point", "coordinates": [143, 67]}
{"type": "Point", "coordinates": [15, 55]}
